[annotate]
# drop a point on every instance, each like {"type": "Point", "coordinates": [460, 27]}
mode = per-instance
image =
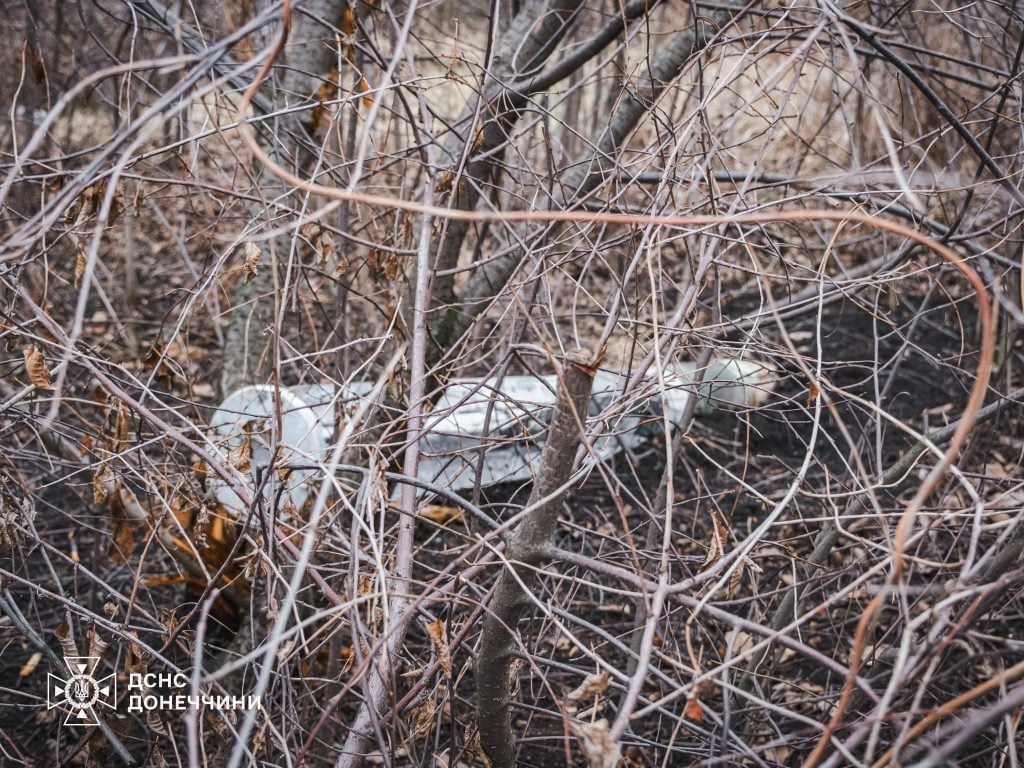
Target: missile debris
{"type": "Point", "coordinates": [480, 430]}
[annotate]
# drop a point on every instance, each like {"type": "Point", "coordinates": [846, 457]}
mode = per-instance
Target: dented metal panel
{"type": "Point", "coordinates": [491, 428]}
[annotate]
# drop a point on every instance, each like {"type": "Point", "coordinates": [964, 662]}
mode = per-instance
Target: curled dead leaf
{"type": "Point", "coordinates": [348, 20]}
{"type": "Point", "coordinates": [200, 471]}
{"type": "Point", "coordinates": [812, 394]}
{"type": "Point", "coordinates": [384, 264]}
{"type": "Point", "coordinates": [364, 88]}
{"type": "Point", "coordinates": [251, 261]}
{"type": "Point", "coordinates": [103, 483]}
{"type": "Point", "coordinates": [17, 511]}
{"type": "Point", "coordinates": [325, 245]}
{"type": "Point", "coordinates": [38, 64]}
{"type": "Point", "coordinates": [80, 263]}
{"type": "Point", "coordinates": [693, 710]}
{"type": "Point", "coordinates": [30, 666]}
{"type": "Point", "coordinates": [440, 514]}
{"type": "Point", "coordinates": [593, 685]}
{"type": "Point", "coordinates": [311, 231]}
{"type": "Point", "coordinates": [720, 534]}
{"type": "Point", "coordinates": [123, 541]}
{"type": "Point", "coordinates": [366, 585]}
{"type": "Point", "coordinates": [439, 637]}
{"type": "Point", "coordinates": [240, 457]}
{"type": "Point", "coordinates": [35, 365]}
{"type": "Point", "coordinates": [444, 181]}
{"type": "Point", "coordinates": [319, 117]}
{"type": "Point", "coordinates": [478, 139]}
{"type": "Point", "coordinates": [473, 747]}
{"type": "Point", "coordinates": [121, 425]}
{"type": "Point", "coordinates": [596, 744]}
{"type": "Point", "coordinates": [423, 718]}
{"type": "Point", "coordinates": [320, 240]}
{"type": "Point", "coordinates": [97, 645]}
{"type": "Point", "coordinates": [67, 642]}
{"type": "Point", "coordinates": [137, 659]}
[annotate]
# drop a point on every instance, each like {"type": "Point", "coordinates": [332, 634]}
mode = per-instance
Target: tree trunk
{"type": "Point", "coordinates": [307, 61]}
{"type": "Point", "coordinates": [524, 551]}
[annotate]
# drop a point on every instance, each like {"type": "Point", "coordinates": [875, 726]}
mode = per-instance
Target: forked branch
{"type": "Point", "coordinates": [525, 551]}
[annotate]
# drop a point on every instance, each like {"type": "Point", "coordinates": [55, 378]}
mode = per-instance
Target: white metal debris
{"type": "Point", "coordinates": [492, 428]}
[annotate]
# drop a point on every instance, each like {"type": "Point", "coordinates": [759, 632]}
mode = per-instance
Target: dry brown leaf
{"type": "Point", "coordinates": [423, 718]}
{"type": "Point", "coordinates": [812, 394]}
{"type": "Point", "coordinates": [86, 205]}
{"type": "Point", "coordinates": [103, 483]}
{"type": "Point", "coordinates": [240, 457]}
{"type": "Point", "coordinates": [743, 643]}
{"type": "Point", "coordinates": [560, 643]}
{"type": "Point", "coordinates": [35, 364]}
{"type": "Point", "coordinates": [123, 541]}
{"type": "Point", "coordinates": [131, 506]}
{"type": "Point", "coordinates": [251, 262]}
{"type": "Point", "coordinates": [311, 231]}
{"type": "Point", "coordinates": [136, 659]}
{"type": "Point", "coordinates": [30, 666]}
{"type": "Point", "coordinates": [440, 514]}
{"type": "Point", "coordinates": [79, 265]}
{"type": "Point", "coordinates": [593, 685]}
{"type": "Point", "coordinates": [348, 20]}
{"type": "Point", "coordinates": [366, 585]}
{"type": "Point", "coordinates": [364, 88]}
{"type": "Point", "coordinates": [439, 637]}
{"type": "Point", "coordinates": [385, 264]}
{"type": "Point", "coordinates": [97, 645]}
{"type": "Point", "coordinates": [478, 139]}
{"type": "Point", "coordinates": [319, 116]}
{"type": "Point", "coordinates": [325, 245]}
{"type": "Point", "coordinates": [17, 511]}
{"type": "Point", "coordinates": [596, 743]}
{"type": "Point", "coordinates": [200, 471]}
{"type": "Point", "coordinates": [121, 428]}
{"type": "Point", "coordinates": [693, 710]}
{"type": "Point", "coordinates": [218, 531]}
{"type": "Point", "coordinates": [719, 539]}
{"type": "Point", "coordinates": [736, 579]}
{"type": "Point", "coordinates": [444, 181]}
{"type": "Point", "coordinates": [38, 65]}
{"type": "Point", "coordinates": [67, 643]}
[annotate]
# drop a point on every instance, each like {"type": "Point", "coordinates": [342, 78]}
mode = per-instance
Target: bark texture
{"type": "Point", "coordinates": [474, 149]}
{"type": "Point", "coordinates": [308, 58]}
{"type": "Point", "coordinates": [457, 314]}
{"type": "Point", "coordinates": [525, 550]}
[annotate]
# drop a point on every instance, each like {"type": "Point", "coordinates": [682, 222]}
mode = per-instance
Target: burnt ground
{"type": "Point", "coordinates": [911, 361]}
{"type": "Point", "coordinates": [914, 365]}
